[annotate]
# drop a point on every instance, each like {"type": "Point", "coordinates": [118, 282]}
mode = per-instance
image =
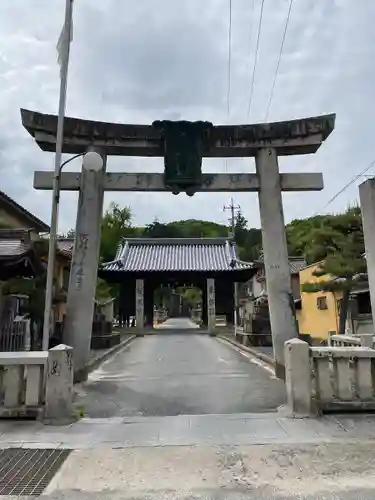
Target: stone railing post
{"type": "Point", "coordinates": [139, 307]}
{"type": "Point", "coordinates": [298, 378]}
{"type": "Point", "coordinates": [59, 386]}
{"type": "Point", "coordinates": [367, 340]}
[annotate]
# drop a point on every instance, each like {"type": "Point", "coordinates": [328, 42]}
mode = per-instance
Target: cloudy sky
{"type": "Point", "coordinates": [137, 61]}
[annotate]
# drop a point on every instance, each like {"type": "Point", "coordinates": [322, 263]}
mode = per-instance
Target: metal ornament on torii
{"type": "Point", "coordinates": [182, 144]}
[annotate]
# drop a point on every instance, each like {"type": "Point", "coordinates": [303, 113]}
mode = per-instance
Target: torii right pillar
{"type": "Point", "coordinates": [276, 260]}
{"type": "Point", "coordinates": [367, 200]}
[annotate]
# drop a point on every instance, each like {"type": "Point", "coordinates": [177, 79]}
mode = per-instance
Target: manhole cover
{"type": "Point", "coordinates": [28, 471]}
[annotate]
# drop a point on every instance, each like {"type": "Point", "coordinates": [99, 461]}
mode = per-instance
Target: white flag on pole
{"type": "Point", "coordinates": [66, 35]}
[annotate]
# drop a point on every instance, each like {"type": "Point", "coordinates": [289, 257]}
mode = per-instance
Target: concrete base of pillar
{"type": "Point", "coordinates": [280, 371]}
{"type": "Point", "coordinates": [80, 376]}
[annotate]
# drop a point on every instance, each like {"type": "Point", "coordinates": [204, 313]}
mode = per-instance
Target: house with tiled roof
{"type": "Point", "coordinates": [257, 286]}
{"type": "Point", "coordinates": [15, 216]}
{"type": "Point", "coordinates": [253, 305]}
{"type": "Point", "coordinates": [24, 252]}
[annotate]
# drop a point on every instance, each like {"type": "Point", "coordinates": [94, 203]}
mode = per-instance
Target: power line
{"type": "Point", "coordinates": [249, 44]}
{"type": "Point", "coordinates": [255, 58]}
{"type": "Point", "coordinates": [229, 55]}
{"type": "Point", "coordinates": [229, 68]}
{"type": "Point", "coordinates": [279, 59]}
{"type": "Point", "coordinates": [352, 181]}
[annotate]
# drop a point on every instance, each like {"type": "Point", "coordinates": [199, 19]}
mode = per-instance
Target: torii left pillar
{"type": "Point", "coordinates": [84, 267]}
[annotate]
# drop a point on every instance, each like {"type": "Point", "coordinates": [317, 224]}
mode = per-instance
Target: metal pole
{"type": "Point", "coordinates": [235, 305]}
{"type": "Point", "coordinates": [56, 179]}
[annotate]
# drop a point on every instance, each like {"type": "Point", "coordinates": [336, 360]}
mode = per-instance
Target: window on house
{"type": "Point", "coordinates": [364, 303]}
{"type": "Point", "coordinates": [321, 303]}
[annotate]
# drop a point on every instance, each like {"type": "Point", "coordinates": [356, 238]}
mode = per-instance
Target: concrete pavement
{"type": "Point", "coordinates": [185, 422]}
{"type": "Point", "coordinates": [325, 471]}
{"type": "Point", "coordinates": [178, 373]}
{"type": "Point", "coordinates": [234, 457]}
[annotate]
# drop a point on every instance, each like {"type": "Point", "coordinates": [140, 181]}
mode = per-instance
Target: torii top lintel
{"type": "Point", "coordinates": [289, 137]}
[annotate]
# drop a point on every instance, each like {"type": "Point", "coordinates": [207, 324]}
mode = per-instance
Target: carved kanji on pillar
{"type": "Point", "coordinates": [211, 309]}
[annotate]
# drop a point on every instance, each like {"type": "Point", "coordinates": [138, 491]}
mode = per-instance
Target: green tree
{"type": "Point", "coordinates": [71, 233]}
{"type": "Point", "coordinates": [338, 243]}
{"type": "Point", "coordinates": [298, 233]}
{"type": "Point", "coordinates": [193, 296]}
{"type": "Point", "coordinates": [240, 230]}
{"type": "Point", "coordinates": [249, 241]}
{"type": "Point", "coordinates": [159, 230]}
{"type": "Point", "coordinates": [116, 225]}
{"type": "Point", "coordinates": [104, 290]}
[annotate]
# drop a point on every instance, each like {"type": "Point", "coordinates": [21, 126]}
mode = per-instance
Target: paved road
{"type": "Point", "coordinates": [178, 373]}
{"type": "Point", "coordinates": [178, 324]}
{"type": "Point", "coordinates": [269, 472]}
{"type": "Point", "coordinates": [210, 494]}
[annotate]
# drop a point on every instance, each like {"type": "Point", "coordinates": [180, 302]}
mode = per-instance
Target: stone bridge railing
{"type": "Point", "coordinates": [321, 379]}
{"type": "Point", "coordinates": [364, 340]}
{"type": "Point", "coordinates": [37, 384]}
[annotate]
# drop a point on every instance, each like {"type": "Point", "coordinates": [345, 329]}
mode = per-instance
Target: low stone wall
{"type": "Point", "coordinates": [37, 384]}
{"type": "Point", "coordinates": [252, 339]}
{"type": "Point", "coordinates": [322, 379]}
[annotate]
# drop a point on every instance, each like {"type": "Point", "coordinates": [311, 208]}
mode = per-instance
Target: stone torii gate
{"type": "Point", "coordinates": [265, 142]}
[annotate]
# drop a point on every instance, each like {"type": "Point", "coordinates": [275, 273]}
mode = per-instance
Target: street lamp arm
{"type": "Point", "coordinates": [69, 160]}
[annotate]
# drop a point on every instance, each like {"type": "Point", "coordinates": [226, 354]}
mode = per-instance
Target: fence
{"type": "Point", "coordinates": [37, 384]}
{"type": "Point", "coordinates": [364, 340]}
{"type": "Point", "coordinates": [15, 335]}
{"type": "Point", "coordinates": [320, 379]}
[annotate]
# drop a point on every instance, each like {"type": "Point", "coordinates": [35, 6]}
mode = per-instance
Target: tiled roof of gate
{"type": "Point", "coordinates": [176, 254]}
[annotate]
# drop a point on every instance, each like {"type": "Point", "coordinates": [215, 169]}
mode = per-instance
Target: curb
{"type": "Point", "coordinates": [267, 359]}
{"type": "Point", "coordinates": [95, 362]}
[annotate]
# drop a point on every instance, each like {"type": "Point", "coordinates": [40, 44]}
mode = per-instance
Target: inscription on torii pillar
{"type": "Point", "coordinates": [264, 142]}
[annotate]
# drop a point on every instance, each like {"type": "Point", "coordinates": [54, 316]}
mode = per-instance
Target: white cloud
{"type": "Point", "coordinates": [135, 62]}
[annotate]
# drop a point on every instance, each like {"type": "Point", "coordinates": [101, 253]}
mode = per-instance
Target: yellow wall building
{"type": "Point", "coordinates": [319, 312]}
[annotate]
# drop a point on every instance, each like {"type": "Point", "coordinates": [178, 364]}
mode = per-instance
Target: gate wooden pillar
{"type": "Point", "coordinates": [149, 303]}
{"type": "Point", "coordinates": [204, 322]}
{"type": "Point", "coordinates": [139, 307]}
{"type": "Point", "coordinates": [211, 309]}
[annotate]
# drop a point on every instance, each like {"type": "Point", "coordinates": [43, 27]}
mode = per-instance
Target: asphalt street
{"type": "Point", "coordinates": [179, 372]}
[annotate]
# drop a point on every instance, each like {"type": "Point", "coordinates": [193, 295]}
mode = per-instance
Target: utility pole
{"type": "Point", "coordinates": [234, 209]}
